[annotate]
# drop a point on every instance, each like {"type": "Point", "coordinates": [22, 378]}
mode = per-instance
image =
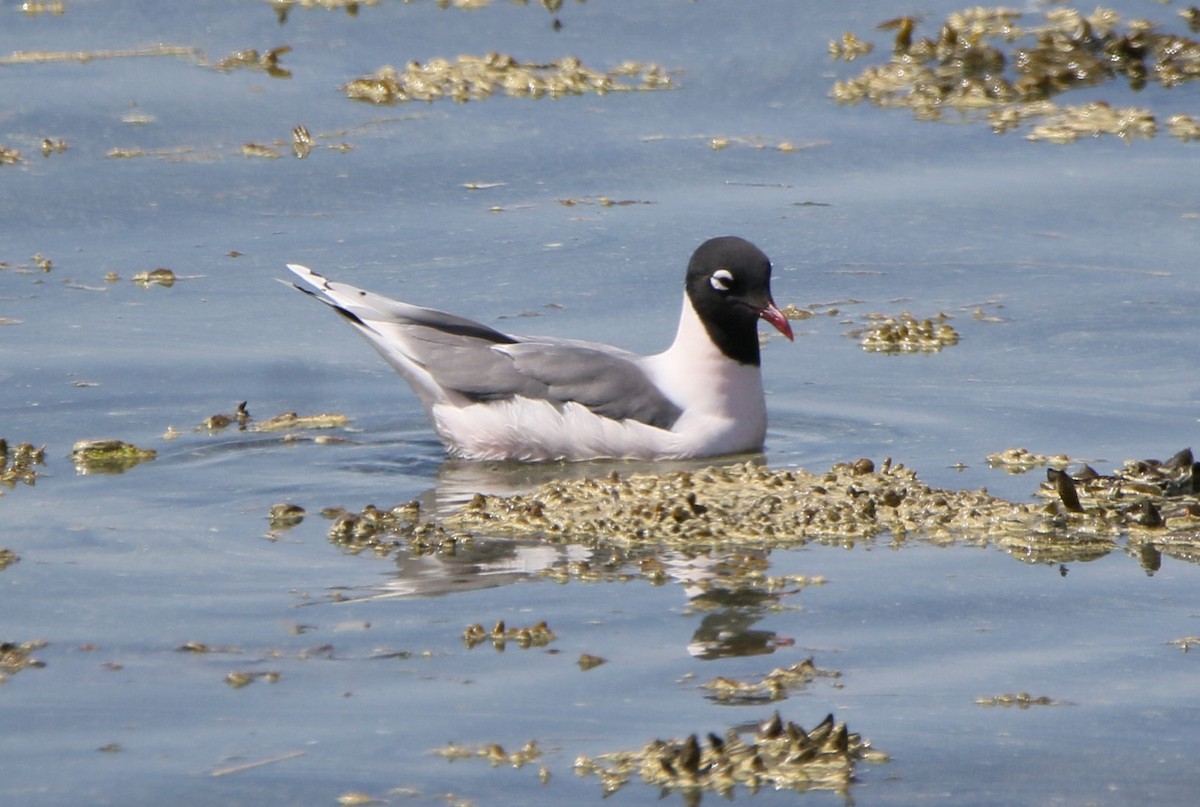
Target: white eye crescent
{"type": "Point", "coordinates": [721, 280]}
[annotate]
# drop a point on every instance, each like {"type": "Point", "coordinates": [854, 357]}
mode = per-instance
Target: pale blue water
{"type": "Point", "coordinates": [1087, 253]}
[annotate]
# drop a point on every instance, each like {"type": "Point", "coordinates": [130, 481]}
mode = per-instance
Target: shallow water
{"type": "Point", "coordinates": [1085, 254]}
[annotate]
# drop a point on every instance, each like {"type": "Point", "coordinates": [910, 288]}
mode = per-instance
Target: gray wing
{"type": "Point", "coordinates": [609, 383]}
{"type": "Point", "coordinates": [483, 364]}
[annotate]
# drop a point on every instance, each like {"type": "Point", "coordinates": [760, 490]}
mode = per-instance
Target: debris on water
{"type": "Point", "coordinates": [1152, 504]}
{"type": "Point", "coordinates": [537, 635]}
{"type": "Point", "coordinates": [238, 680]}
{"type": "Point", "coordinates": [259, 150]}
{"type": "Point", "coordinates": [1021, 700]}
{"type": "Point", "coordinates": [1183, 127]}
{"type": "Point", "coordinates": [470, 78]}
{"type": "Point", "coordinates": [16, 657]}
{"type": "Point", "coordinates": [794, 312]}
{"type": "Point", "coordinates": [776, 754]}
{"type": "Point", "coordinates": [33, 8]}
{"type": "Point", "coordinates": [989, 60]}
{"type": "Point", "coordinates": [849, 47]}
{"type": "Point", "coordinates": [155, 277]}
{"type": "Point", "coordinates": [267, 62]}
{"type": "Point", "coordinates": [493, 753]}
{"type": "Point", "coordinates": [108, 456]}
{"type": "Point", "coordinates": [774, 686]}
{"type": "Point", "coordinates": [221, 420]}
{"type": "Point", "coordinates": [602, 201]}
{"type": "Point", "coordinates": [1065, 486]}
{"type": "Point", "coordinates": [1020, 460]}
{"type": "Point", "coordinates": [53, 146]}
{"type": "Point", "coordinates": [9, 156]}
{"type": "Point", "coordinates": [83, 56]}
{"type": "Point", "coordinates": [906, 334]}
{"type": "Point", "coordinates": [302, 141]}
{"type": "Point", "coordinates": [1184, 643]}
{"type": "Point", "coordinates": [290, 421]}
{"type": "Point", "coordinates": [18, 463]}
{"type": "Point", "coordinates": [285, 516]}
{"type": "Point", "coordinates": [384, 531]}
{"type": "Point", "coordinates": [587, 661]}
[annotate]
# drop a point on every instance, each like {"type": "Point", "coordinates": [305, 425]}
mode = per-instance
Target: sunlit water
{"type": "Point", "coordinates": [1084, 254]}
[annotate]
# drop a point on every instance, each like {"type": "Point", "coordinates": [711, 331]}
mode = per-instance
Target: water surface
{"type": "Point", "coordinates": [1084, 255]}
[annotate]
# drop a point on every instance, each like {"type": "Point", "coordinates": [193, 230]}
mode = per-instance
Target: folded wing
{"type": "Point", "coordinates": [452, 359]}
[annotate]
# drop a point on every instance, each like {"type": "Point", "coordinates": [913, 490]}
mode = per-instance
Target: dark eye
{"type": "Point", "coordinates": [721, 280]}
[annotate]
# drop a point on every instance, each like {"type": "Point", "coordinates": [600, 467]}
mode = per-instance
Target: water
{"type": "Point", "coordinates": [1085, 253]}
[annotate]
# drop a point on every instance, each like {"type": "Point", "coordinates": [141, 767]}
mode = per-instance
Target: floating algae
{"type": "Point", "coordinates": [16, 657]}
{"type": "Point", "coordinates": [906, 334]}
{"type": "Point", "coordinates": [1021, 700]}
{"type": "Point", "coordinates": [1020, 460]}
{"type": "Point", "coordinates": [108, 456]}
{"type": "Point", "coordinates": [285, 515]}
{"type": "Point", "coordinates": [18, 464]}
{"type": "Point", "coordinates": [384, 531]}
{"type": "Point", "coordinates": [493, 753]}
{"type": "Point", "coordinates": [773, 686]}
{"type": "Point", "coordinates": [1154, 505]}
{"type": "Point", "coordinates": [155, 277]}
{"type": "Point", "coordinates": [290, 421]}
{"type": "Point", "coordinates": [984, 59]}
{"type": "Point", "coordinates": [776, 754]}
{"type": "Point", "coordinates": [538, 635]}
{"type": "Point", "coordinates": [266, 62]}
{"type": "Point", "coordinates": [470, 78]}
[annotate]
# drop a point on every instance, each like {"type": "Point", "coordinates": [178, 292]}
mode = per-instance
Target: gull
{"type": "Point", "coordinates": [496, 396]}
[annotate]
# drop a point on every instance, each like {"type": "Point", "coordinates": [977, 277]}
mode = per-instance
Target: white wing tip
{"type": "Point", "coordinates": [308, 275]}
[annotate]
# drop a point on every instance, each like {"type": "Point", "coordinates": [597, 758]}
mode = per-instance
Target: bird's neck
{"type": "Point", "coordinates": [701, 341]}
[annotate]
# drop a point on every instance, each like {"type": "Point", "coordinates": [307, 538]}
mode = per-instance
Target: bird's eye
{"type": "Point", "coordinates": [721, 280]}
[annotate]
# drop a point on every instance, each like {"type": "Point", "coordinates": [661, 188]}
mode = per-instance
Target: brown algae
{"type": "Point", "coordinates": [19, 463]}
{"type": "Point", "coordinates": [1152, 504]}
{"type": "Point", "coordinates": [16, 657]}
{"type": "Point", "coordinates": [537, 635]}
{"type": "Point", "coordinates": [906, 334]}
{"type": "Point", "coordinates": [469, 78]}
{"type": "Point", "coordinates": [493, 753]}
{"type": "Point", "coordinates": [774, 686]}
{"type": "Point", "coordinates": [991, 60]}
{"type": "Point", "coordinates": [155, 277]}
{"type": "Point", "coordinates": [776, 754]}
{"type": "Point", "coordinates": [1021, 700]}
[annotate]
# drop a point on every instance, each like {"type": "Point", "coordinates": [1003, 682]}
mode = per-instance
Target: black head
{"type": "Point", "coordinates": [729, 284]}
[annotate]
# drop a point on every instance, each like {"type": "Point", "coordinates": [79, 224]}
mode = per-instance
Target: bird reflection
{"type": "Point", "coordinates": [715, 583]}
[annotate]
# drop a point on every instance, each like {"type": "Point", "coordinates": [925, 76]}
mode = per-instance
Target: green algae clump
{"type": "Point", "coordinates": [108, 456]}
